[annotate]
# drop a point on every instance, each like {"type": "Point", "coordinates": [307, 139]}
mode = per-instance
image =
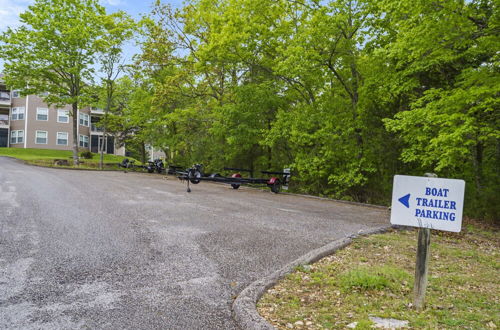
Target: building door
{"type": "Point", "coordinates": [110, 145]}
{"type": "Point", "coordinates": [94, 143]}
{"type": "Point", "coordinates": [4, 137]}
{"type": "Point", "coordinates": [97, 140]}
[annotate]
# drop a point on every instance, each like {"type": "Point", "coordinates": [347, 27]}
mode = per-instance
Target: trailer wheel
{"type": "Point", "coordinates": [276, 186]}
{"type": "Point", "coordinates": [235, 185]}
{"type": "Point", "coordinates": [194, 176]}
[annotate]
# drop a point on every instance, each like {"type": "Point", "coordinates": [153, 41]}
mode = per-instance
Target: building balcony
{"type": "Point", "coordinates": [95, 129]}
{"type": "Point", "coordinates": [4, 121]}
{"type": "Point", "coordinates": [96, 111]}
{"type": "Point", "coordinates": [5, 98]}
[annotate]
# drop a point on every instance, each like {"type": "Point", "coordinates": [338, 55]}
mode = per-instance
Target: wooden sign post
{"type": "Point", "coordinates": [422, 264]}
{"type": "Point", "coordinates": [421, 267]}
{"type": "Point", "coordinates": [428, 203]}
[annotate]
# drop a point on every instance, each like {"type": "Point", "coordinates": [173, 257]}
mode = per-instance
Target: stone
{"type": "Point", "coordinates": [352, 325]}
{"type": "Point", "coordinates": [382, 323]}
{"type": "Point", "coordinates": [61, 162]}
{"type": "Point", "coordinates": [299, 323]}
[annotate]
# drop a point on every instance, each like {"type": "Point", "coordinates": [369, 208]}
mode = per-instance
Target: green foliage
{"type": "Point", "coordinates": [86, 154]}
{"type": "Point", "coordinates": [54, 51]}
{"type": "Point", "coordinates": [346, 93]}
{"type": "Point", "coordinates": [453, 126]}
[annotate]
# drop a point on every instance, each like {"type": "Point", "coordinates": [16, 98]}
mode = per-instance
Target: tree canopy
{"type": "Point", "coordinates": [55, 50]}
{"type": "Point", "coordinates": [346, 93]}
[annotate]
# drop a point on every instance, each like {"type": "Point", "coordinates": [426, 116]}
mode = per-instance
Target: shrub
{"type": "Point", "coordinates": [86, 154]}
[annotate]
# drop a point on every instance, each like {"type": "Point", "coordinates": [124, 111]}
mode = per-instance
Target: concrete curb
{"type": "Point", "coordinates": [266, 190]}
{"type": "Point", "coordinates": [337, 200]}
{"type": "Point", "coordinates": [244, 307]}
{"type": "Point", "coordinates": [25, 162]}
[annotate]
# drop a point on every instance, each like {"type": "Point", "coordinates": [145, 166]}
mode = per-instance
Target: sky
{"type": "Point", "coordinates": [10, 10]}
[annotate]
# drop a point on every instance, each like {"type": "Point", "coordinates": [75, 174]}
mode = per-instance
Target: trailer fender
{"type": "Point", "coordinates": [272, 181]}
{"type": "Point", "coordinates": [235, 185]}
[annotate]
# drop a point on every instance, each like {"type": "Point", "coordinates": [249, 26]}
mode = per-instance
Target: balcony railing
{"type": "Point", "coordinates": [94, 128]}
{"type": "Point", "coordinates": [4, 96]}
{"type": "Point", "coordinates": [94, 110]}
{"type": "Point", "coordinates": [4, 122]}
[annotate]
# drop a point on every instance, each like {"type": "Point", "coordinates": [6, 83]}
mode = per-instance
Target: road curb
{"type": "Point", "coordinates": [25, 162]}
{"type": "Point", "coordinates": [244, 307]}
{"type": "Point", "coordinates": [382, 207]}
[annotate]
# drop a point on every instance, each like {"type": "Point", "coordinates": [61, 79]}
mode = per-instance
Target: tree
{"type": "Point", "coordinates": [54, 51]}
{"type": "Point", "coordinates": [119, 27]}
{"type": "Point", "coordinates": [129, 121]}
{"type": "Point", "coordinates": [447, 55]}
{"type": "Point", "coordinates": [347, 93]}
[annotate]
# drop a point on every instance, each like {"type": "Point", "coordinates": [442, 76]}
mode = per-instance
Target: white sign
{"type": "Point", "coordinates": [433, 203]}
{"type": "Point", "coordinates": [286, 178]}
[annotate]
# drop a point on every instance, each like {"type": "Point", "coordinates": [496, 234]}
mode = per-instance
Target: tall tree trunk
{"type": "Point", "coordinates": [75, 133]}
{"type": "Point", "coordinates": [101, 149]}
{"type": "Point", "coordinates": [354, 102]}
{"type": "Point", "coordinates": [167, 155]}
{"type": "Point", "coordinates": [143, 153]}
{"type": "Point", "coordinates": [478, 166]}
{"type": "Point", "coordinates": [104, 137]}
{"type": "Point", "coordinates": [269, 149]}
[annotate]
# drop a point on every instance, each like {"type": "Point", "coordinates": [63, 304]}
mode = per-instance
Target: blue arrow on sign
{"type": "Point", "coordinates": [405, 200]}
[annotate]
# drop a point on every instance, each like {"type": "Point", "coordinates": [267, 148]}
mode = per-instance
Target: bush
{"type": "Point", "coordinates": [86, 155]}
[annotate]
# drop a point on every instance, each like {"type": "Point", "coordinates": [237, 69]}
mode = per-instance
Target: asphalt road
{"type": "Point", "coordinates": [114, 250]}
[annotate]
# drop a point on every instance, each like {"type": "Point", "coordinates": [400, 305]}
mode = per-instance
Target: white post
{"type": "Point", "coordinates": [26, 120]}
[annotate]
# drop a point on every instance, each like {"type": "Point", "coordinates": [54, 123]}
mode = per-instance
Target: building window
{"type": "Point", "coordinates": [62, 116]}
{"type": "Point", "coordinates": [16, 137]}
{"type": "Point", "coordinates": [17, 114]}
{"type": "Point", "coordinates": [16, 94]}
{"type": "Point", "coordinates": [84, 119]}
{"type": "Point", "coordinates": [62, 138]}
{"type": "Point", "coordinates": [41, 137]}
{"type": "Point", "coordinates": [84, 141]}
{"type": "Point", "coordinates": [42, 114]}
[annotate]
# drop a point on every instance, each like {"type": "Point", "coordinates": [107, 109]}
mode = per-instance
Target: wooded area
{"type": "Point", "coordinates": [346, 93]}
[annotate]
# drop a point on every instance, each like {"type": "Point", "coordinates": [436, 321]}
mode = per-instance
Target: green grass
{"type": "Point", "coordinates": [46, 157]}
{"type": "Point", "coordinates": [374, 277]}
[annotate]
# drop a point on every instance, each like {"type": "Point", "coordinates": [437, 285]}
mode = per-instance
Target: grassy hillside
{"type": "Point", "coordinates": [46, 157]}
{"type": "Point", "coordinates": [374, 276]}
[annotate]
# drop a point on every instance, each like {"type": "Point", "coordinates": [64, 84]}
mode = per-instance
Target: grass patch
{"type": "Point", "coordinates": [374, 277]}
{"type": "Point", "coordinates": [46, 157]}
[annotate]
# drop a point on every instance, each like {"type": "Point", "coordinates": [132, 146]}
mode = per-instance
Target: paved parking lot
{"type": "Point", "coordinates": [114, 250]}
